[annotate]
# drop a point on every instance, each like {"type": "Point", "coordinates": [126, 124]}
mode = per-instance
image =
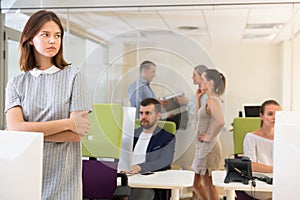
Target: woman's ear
{"type": "Point", "coordinates": [30, 42]}
{"type": "Point", "coordinates": [261, 116]}
{"type": "Point", "coordinates": [210, 84]}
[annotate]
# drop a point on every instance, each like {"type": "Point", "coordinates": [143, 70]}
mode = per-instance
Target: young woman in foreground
{"type": "Point", "coordinates": [50, 97]}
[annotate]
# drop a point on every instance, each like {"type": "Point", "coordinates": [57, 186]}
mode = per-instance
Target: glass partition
{"type": "Point", "coordinates": [109, 43]}
{"type": "Point", "coordinates": [292, 82]}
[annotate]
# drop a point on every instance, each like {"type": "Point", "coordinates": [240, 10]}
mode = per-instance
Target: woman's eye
{"type": "Point", "coordinates": [44, 34]}
{"type": "Point", "coordinates": [270, 113]}
{"type": "Point", "coordinates": [58, 36]}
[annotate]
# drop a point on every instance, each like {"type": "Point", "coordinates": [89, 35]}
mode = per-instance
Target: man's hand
{"type": "Point", "coordinates": [163, 103]}
{"type": "Point", "coordinates": [135, 169]}
{"type": "Point", "coordinates": [181, 100]}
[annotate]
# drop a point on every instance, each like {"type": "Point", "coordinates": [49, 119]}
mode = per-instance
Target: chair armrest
{"type": "Point", "coordinates": [124, 178]}
{"type": "Point", "coordinates": [122, 190]}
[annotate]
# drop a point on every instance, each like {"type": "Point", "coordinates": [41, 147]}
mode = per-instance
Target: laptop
{"type": "Point", "coordinates": [173, 107]}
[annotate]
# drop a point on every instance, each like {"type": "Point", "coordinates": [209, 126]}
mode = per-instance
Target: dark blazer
{"type": "Point", "coordinates": [160, 150]}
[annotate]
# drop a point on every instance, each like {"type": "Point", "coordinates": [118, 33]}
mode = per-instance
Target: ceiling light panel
{"type": "Point", "coordinates": [105, 24]}
{"type": "Point", "coordinates": [272, 26]}
{"type": "Point", "coordinates": [271, 14]}
{"type": "Point", "coordinates": [142, 19]}
{"type": "Point", "coordinates": [183, 18]}
{"type": "Point", "coordinates": [226, 25]}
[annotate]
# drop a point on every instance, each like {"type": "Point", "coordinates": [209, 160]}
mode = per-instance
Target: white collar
{"type": "Point", "coordinates": [37, 72]}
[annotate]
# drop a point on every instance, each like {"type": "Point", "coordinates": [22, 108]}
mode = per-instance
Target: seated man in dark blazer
{"type": "Point", "coordinates": [153, 149]}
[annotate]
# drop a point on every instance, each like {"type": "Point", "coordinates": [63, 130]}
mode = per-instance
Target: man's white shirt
{"type": "Point", "coordinates": [140, 149]}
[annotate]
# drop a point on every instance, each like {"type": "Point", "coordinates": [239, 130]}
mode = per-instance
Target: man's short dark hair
{"type": "Point", "coordinates": [146, 65]}
{"type": "Point", "coordinates": [152, 101]}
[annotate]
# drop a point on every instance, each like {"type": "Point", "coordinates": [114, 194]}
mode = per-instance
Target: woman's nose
{"type": "Point", "coordinates": [51, 40]}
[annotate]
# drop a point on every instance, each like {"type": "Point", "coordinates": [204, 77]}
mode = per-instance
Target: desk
{"type": "Point", "coordinates": [169, 179]}
{"type": "Point", "coordinates": [218, 181]}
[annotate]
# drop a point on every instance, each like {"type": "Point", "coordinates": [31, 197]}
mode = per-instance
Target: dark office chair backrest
{"type": "Point", "coordinates": [99, 176]}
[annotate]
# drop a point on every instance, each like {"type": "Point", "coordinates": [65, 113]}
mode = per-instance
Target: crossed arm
{"type": "Point", "coordinates": [71, 129]}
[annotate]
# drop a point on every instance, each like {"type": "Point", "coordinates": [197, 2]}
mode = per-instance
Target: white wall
{"type": "Point", "coordinates": [253, 74]}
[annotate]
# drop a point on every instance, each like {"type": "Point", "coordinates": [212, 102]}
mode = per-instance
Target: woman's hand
{"type": "Point", "coordinates": [202, 137]}
{"type": "Point", "coordinates": [81, 122]}
{"type": "Point", "coordinates": [199, 93]}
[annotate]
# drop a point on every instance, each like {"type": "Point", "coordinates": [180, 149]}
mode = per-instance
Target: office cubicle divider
{"type": "Point", "coordinates": [21, 160]}
{"type": "Point", "coordinates": [286, 165]}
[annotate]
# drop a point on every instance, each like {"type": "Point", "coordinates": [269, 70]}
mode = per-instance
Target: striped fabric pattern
{"type": "Point", "coordinates": [52, 97]}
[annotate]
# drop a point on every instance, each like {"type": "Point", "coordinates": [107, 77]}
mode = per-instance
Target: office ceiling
{"type": "Point", "coordinates": [203, 21]}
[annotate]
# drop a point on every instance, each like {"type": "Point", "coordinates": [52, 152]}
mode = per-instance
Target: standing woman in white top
{"type": "Point", "coordinates": [208, 152]}
{"type": "Point", "coordinates": [50, 97]}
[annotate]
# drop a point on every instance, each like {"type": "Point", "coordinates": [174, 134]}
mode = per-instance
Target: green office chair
{"type": "Point", "coordinates": [103, 141]}
{"type": "Point", "coordinates": [167, 125]}
{"type": "Point", "coordinates": [241, 126]}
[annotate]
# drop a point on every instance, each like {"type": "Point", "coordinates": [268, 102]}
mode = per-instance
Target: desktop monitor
{"type": "Point", "coordinates": [251, 110]}
{"type": "Point", "coordinates": [21, 159]}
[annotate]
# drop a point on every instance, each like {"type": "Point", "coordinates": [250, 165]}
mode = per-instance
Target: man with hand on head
{"type": "Point", "coordinates": [153, 148]}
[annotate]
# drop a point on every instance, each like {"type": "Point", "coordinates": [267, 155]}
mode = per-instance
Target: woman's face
{"type": "Point", "coordinates": [47, 41]}
{"type": "Point", "coordinates": [204, 83]}
{"type": "Point", "coordinates": [268, 117]}
{"type": "Point", "coordinates": [196, 77]}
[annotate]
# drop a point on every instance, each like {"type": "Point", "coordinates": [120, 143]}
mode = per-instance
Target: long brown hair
{"type": "Point", "coordinates": [32, 27]}
{"type": "Point", "coordinates": [218, 78]}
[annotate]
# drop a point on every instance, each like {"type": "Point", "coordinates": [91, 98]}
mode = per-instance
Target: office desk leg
{"type": "Point", "coordinates": [230, 194]}
{"type": "Point", "coordinates": [175, 194]}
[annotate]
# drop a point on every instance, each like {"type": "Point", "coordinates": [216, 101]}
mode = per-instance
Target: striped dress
{"type": "Point", "coordinates": [52, 96]}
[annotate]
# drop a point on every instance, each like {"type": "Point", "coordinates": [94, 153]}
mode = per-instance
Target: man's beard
{"type": "Point", "coordinates": [148, 125]}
